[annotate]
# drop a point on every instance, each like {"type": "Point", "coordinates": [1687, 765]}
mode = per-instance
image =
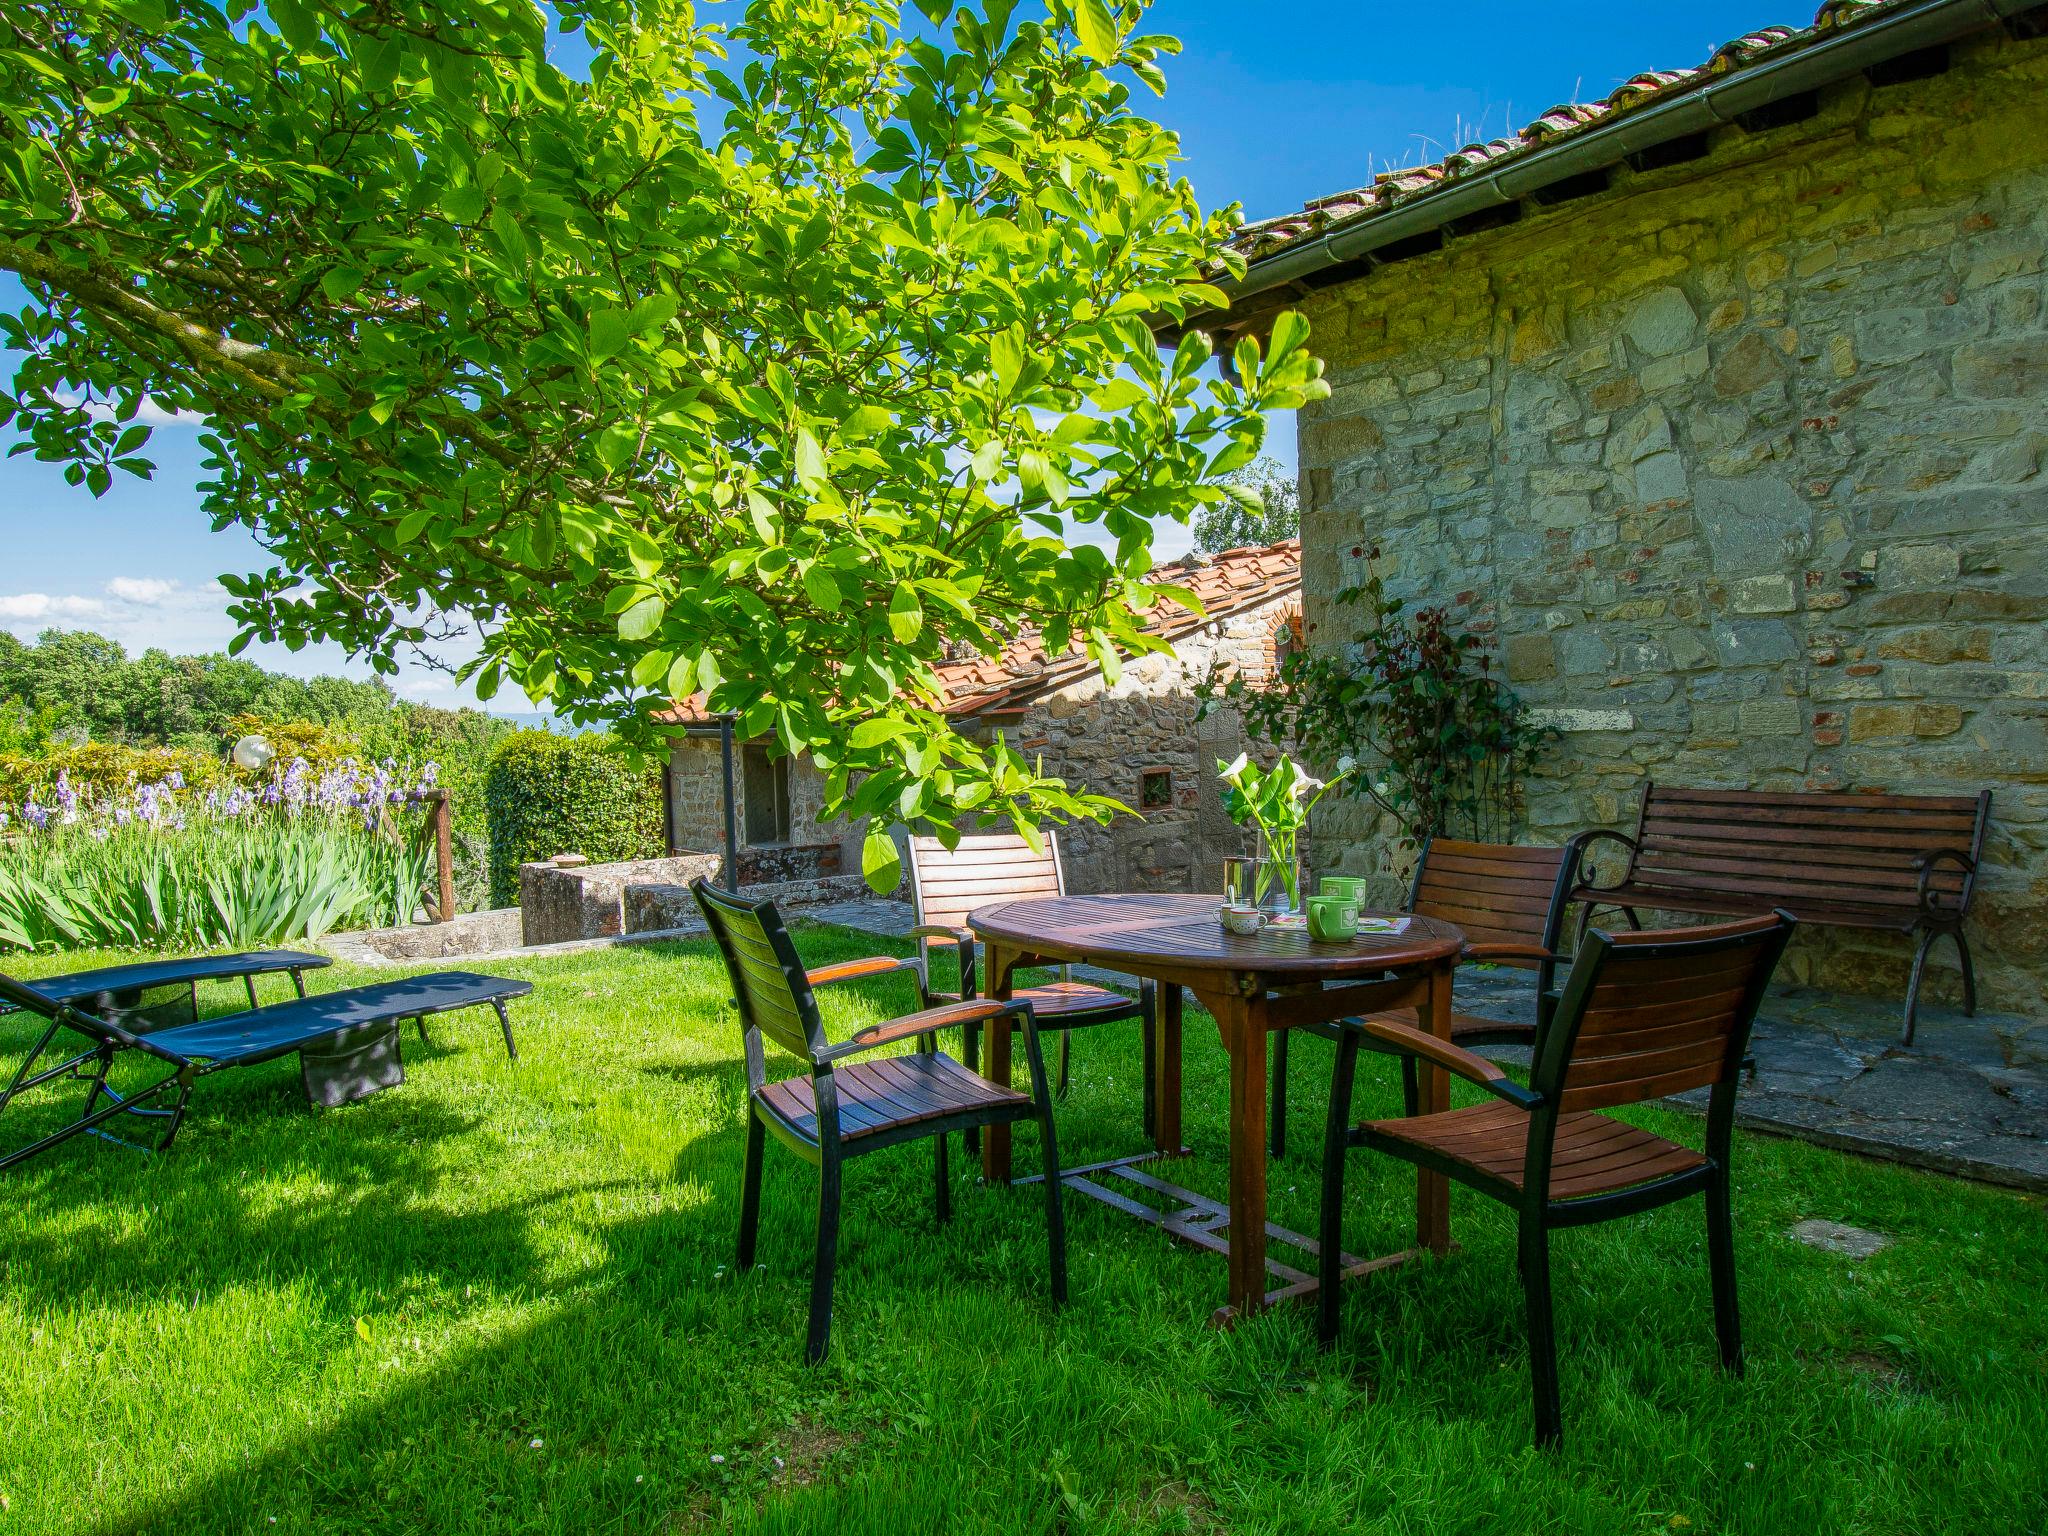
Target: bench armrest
{"type": "Point", "coordinates": [1580, 842]}
{"type": "Point", "coordinates": [1406, 1040]}
{"type": "Point", "coordinates": [1927, 863]}
{"type": "Point", "coordinates": [928, 1021]}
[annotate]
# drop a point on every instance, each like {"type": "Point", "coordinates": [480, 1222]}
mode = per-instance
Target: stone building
{"type": "Point", "coordinates": [1139, 741]}
{"type": "Point", "coordinates": [1720, 406]}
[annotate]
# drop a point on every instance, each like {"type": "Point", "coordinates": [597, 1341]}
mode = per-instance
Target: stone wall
{"type": "Point", "coordinates": [1104, 740]}
{"type": "Point", "coordinates": [697, 804]}
{"type": "Point", "coordinates": [1739, 461]}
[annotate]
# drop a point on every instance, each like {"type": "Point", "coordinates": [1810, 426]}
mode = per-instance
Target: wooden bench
{"type": "Point", "coordinates": [1904, 863]}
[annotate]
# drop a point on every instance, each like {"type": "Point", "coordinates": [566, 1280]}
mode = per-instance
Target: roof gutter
{"type": "Point", "coordinates": [1722, 99]}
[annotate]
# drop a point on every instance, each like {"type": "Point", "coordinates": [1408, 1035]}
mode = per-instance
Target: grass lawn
{"type": "Point", "coordinates": [498, 1299]}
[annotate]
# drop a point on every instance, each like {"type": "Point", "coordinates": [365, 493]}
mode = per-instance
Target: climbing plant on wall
{"type": "Point", "coordinates": [1411, 694]}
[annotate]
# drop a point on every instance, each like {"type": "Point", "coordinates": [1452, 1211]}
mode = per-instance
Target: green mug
{"type": "Point", "coordinates": [1332, 917]}
{"type": "Point", "coordinates": [1352, 886]}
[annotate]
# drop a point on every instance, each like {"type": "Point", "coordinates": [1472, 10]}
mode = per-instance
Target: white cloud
{"type": "Point", "coordinates": [149, 413]}
{"type": "Point", "coordinates": [41, 608]}
{"type": "Point", "coordinates": [146, 591]}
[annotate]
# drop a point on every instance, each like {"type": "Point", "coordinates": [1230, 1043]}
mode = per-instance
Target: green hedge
{"type": "Point", "coordinates": [546, 794]}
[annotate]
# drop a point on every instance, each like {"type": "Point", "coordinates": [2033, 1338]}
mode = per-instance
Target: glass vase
{"type": "Point", "coordinates": [1278, 877]}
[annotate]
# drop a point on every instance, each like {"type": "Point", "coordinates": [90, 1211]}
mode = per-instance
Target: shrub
{"type": "Point", "coordinates": [548, 794]}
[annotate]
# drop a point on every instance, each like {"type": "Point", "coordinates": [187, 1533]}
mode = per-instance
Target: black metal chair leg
{"type": "Point", "coordinates": [1055, 1220]}
{"type": "Point", "coordinates": [1330, 1230]}
{"type": "Point", "coordinates": [505, 1023]}
{"type": "Point", "coordinates": [177, 1116]}
{"type": "Point", "coordinates": [970, 1058]}
{"type": "Point", "coordinates": [298, 984]}
{"type": "Point", "coordinates": [1535, 1257]}
{"type": "Point", "coordinates": [1721, 1261]}
{"type": "Point", "coordinates": [1969, 974]}
{"type": "Point", "coordinates": [750, 1191]}
{"type": "Point", "coordinates": [1276, 1118]}
{"type": "Point", "coordinates": [943, 1191]}
{"type": "Point", "coordinates": [1913, 987]}
{"type": "Point", "coordinates": [420, 1024]}
{"type": "Point", "coordinates": [1066, 1075]}
{"type": "Point", "coordinates": [820, 1341]}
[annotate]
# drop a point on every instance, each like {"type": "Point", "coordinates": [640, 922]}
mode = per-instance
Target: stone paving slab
{"type": "Point", "coordinates": [1970, 1097]}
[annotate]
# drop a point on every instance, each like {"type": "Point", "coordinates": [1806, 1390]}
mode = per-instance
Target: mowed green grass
{"type": "Point", "coordinates": [500, 1298]}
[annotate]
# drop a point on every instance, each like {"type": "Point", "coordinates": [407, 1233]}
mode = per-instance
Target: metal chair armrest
{"type": "Point", "coordinates": [856, 970]}
{"type": "Point", "coordinates": [962, 940]}
{"type": "Point", "coordinates": [929, 1021]}
{"type": "Point", "coordinates": [1405, 1040]}
{"type": "Point", "coordinates": [1927, 863]}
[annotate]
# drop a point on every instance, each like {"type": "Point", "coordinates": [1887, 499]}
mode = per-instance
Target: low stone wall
{"type": "Point", "coordinates": [470, 933]}
{"type": "Point", "coordinates": [561, 901]}
{"type": "Point", "coordinates": [656, 907]}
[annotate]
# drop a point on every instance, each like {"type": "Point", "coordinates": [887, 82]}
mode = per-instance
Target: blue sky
{"type": "Point", "coordinates": [1275, 104]}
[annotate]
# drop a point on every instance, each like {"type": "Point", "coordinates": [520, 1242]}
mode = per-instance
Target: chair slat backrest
{"type": "Point", "coordinates": [1497, 893]}
{"type": "Point", "coordinates": [767, 976]}
{"type": "Point", "coordinates": [1649, 1014]}
{"type": "Point", "coordinates": [983, 868]}
{"type": "Point", "coordinates": [1793, 848]}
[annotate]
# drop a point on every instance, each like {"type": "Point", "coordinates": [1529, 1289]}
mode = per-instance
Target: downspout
{"type": "Point", "coordinates": [1718, 102]}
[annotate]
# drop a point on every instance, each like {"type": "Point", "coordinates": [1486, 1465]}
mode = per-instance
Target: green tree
{"type": "Point", "coordinates": [1264, 507]}
{"type": "Point", "coordinates": [773, 379]}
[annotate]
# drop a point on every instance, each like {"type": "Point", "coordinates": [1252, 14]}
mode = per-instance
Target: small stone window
{"type": "Point", "coordinates": [1155, 789]}
{"type": "Point", "coordinates": [1289, 638]}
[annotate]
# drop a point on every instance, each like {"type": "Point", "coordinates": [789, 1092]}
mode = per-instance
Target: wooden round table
{"type": "Point", "coordinates": [1274, 979]}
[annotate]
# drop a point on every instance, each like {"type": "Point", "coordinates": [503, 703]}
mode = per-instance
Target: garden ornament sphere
{"type": "Point", "coordinates": [253, 753]}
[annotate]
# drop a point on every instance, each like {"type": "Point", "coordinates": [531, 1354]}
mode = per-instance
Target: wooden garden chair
{"type": "Point", "coordinates": [842, 1108]}
{"type": "Point", "coordinates": [1640, 1016]}
{"type": "Point", "coordinates": [1510, 902]}
{"type": "Point", "coordinates": [983, 868]}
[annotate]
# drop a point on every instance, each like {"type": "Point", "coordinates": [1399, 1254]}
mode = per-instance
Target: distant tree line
{"type": "Point", "coordinates": [71, 686]}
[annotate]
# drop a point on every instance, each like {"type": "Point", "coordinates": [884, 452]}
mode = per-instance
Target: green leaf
{"type": "Point", "coordinates": [642, 619]}
{"type": "Point", "coordinates": [872, 733]}
{"type": "Point", "coordinates": [610, 329]}
{"type": "Point", "coordinates": [821, 587]}
{"type": "Point", "coordinates": [1290, 330]}
{"type": "Point", "coordinates": [462, 204]}
{"type": "Point", "coordinates": [1006, 356]}
{"type": "Point", "coordinates": [810, 460]}
{"type": "Point", "coordinates": [1096, 30]}
{"type": "Point", "coordinates": [880, 863]}
{"type": "Point", "coordinates": [906, 613]}
{"type": "Point", "coordinates": [104, 99]}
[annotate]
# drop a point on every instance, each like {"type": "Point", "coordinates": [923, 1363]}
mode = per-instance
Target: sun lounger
{"type": "Point", "coordinates": [334, 1026]}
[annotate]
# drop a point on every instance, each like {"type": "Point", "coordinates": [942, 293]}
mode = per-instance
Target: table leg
{"type": "Point", "coordinates": [1433, 1190]}
{"type": "Point", "coordinates": [1166, 1064]}
{"type": "Point", "coordinates": [1241, 1022]}
{"type": "Point", "coordinates": [995, 1064]}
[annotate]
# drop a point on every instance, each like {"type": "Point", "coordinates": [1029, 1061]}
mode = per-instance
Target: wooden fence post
{"type": "Point", "coordinates": [444, 852]}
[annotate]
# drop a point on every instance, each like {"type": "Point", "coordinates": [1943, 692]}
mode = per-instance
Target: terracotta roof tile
{"type": "Point", "coordinates": [1267, 237]}
{"type": "Point", "coordinates": [1225, 583]}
